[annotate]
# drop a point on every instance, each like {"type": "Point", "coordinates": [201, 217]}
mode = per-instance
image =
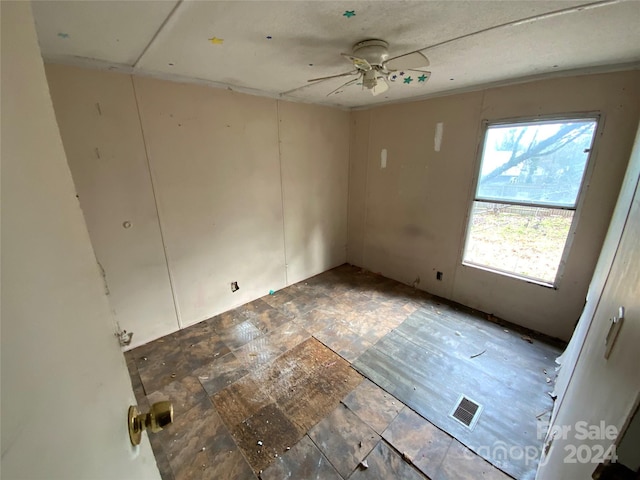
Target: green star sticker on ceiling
{"type": "Point", "coordinates": [408, 80]}
{"type": "Point", "coordinates": [349, 13]}
{"type": "Point", "coordinates": [422, 78]}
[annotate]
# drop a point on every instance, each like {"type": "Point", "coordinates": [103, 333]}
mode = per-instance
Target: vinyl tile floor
{"type": "Point", "coordinates": [268, 390]}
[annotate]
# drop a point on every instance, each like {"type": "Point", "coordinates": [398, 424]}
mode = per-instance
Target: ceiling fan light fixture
{"type": "Point", "coordinates": [369, 79]}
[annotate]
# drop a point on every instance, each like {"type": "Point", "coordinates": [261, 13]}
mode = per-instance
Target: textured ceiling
{"type": "Point", "coordinates": [274, 47]}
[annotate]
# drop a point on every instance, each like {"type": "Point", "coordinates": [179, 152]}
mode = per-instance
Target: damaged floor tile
{"type": "Point", "coordinates": [384, 463]}
{"type": "Point", "coordinates": [302, 461]}
{"type": "Point", "coordinates": [344, 439]}
{"type": "Point", "coordinates": [220, 373]}
{"type": "Point", "coordinates": [265, 436]}
{"type": "Point", "coordinates": [346, 343]}
{"type": "Point", "coordinates": [373, 405]}
{"type": "Point", "coordinates": [183, 394]}
{"type": "Point", "coordinates": [420, 441]}
{"type": "Point", "coordinates": [461, 463]}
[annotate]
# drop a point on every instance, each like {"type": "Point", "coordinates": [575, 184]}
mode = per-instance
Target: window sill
{"type": "Point", "coordinates": [533, 281]}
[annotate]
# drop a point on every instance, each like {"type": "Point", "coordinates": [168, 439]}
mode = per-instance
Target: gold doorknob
{"type": "Point", "coordinates": [160, 415]}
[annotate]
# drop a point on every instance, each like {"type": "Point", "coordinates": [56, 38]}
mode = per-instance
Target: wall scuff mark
{"type": "Point", "coordinates": [437, 139]}
{"type": "Point", "coordinates": [383, 158]}
{"type": "Point", "coordinates": [104, 279]}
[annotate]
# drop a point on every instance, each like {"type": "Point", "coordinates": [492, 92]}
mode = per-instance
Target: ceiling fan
{"type": "Point", "coordinates": [373, 68]}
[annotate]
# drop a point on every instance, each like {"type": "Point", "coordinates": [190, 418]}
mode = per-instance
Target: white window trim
{"type": "Point", "coordinates": [584, 185]}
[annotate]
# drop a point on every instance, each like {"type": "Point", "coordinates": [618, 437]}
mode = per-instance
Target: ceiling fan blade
{"type": "Point", "coordinates": [406, 61]}
{"type": "Point", "coordinates": [359, 63]}
{"type": "Point", "coordinates": [337, 90]}
{"type": "Point", "coordinates": [319, 79]}
{"type": "Point", "coordinates": [381, 87]}
{"type": "Point", "coordinates": [409, 78]}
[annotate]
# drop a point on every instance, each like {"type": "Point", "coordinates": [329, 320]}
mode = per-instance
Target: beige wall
{"type": "Point", "coordinates": [407, 220]}
{"type": "Point", "coordinates": [65, 386]}
{"type": "Point", "coordinates": [255, 190]}
{"type": "Point", "coordinates": [214, 159]}
{"type": "Point", "coordinates": [314, 145]}
{"type": "Point", "coordinates": [247, 189]}
{"type": "Point", "coordinates": [101, 131]}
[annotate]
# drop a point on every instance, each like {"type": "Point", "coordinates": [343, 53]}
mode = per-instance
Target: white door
{"type": "Point", "coordinates": [602, 393]}
{"type": "Point", "coordinates": [65, 387]}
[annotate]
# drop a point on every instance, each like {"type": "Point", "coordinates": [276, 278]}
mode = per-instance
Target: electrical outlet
{"type": "Point", "coordinates": [439, 276]}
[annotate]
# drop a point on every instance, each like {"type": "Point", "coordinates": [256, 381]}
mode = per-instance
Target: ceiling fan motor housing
{"type": "Point", "coordinates": [373, 51]}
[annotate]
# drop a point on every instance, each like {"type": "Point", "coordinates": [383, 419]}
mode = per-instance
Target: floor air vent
{"type": "Point", "coordinates": [466, 412]}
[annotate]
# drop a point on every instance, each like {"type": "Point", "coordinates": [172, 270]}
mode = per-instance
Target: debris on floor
{"type": "Point", "coordinates": [478, 354]}
{"type": "Point", "coordinates": [259, 443]}
{"type": "Point", "coordinates": [527, 338]}
{"type": "Point", "coordinates": [363, 465]}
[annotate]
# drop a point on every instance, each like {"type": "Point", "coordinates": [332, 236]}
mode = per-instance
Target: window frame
{"type": "Point", "coordinates": [596, 116]}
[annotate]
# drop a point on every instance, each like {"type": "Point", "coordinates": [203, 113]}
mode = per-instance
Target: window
{"type": "Point", "coordinates": [526, 195]}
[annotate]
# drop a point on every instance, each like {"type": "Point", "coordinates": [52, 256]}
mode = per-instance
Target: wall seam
{"type": "Point", "coordinates": [366, 191]}
{"type": "Point", "coordinates": [284, 230]}
{"type": "Point", "coordinates": [155, 203]}
{"type": "Point", "coordinates": [349, 163]}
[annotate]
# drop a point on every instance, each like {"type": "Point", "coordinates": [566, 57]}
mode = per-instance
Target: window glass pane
{"type": "Point", "coordinates": [537, 163]}
{"type": "Point", "coordinates": [525, 241]}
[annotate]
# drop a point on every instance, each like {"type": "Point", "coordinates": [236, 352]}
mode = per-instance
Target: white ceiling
{"type": "Point", "coordinates": [171, 39]}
